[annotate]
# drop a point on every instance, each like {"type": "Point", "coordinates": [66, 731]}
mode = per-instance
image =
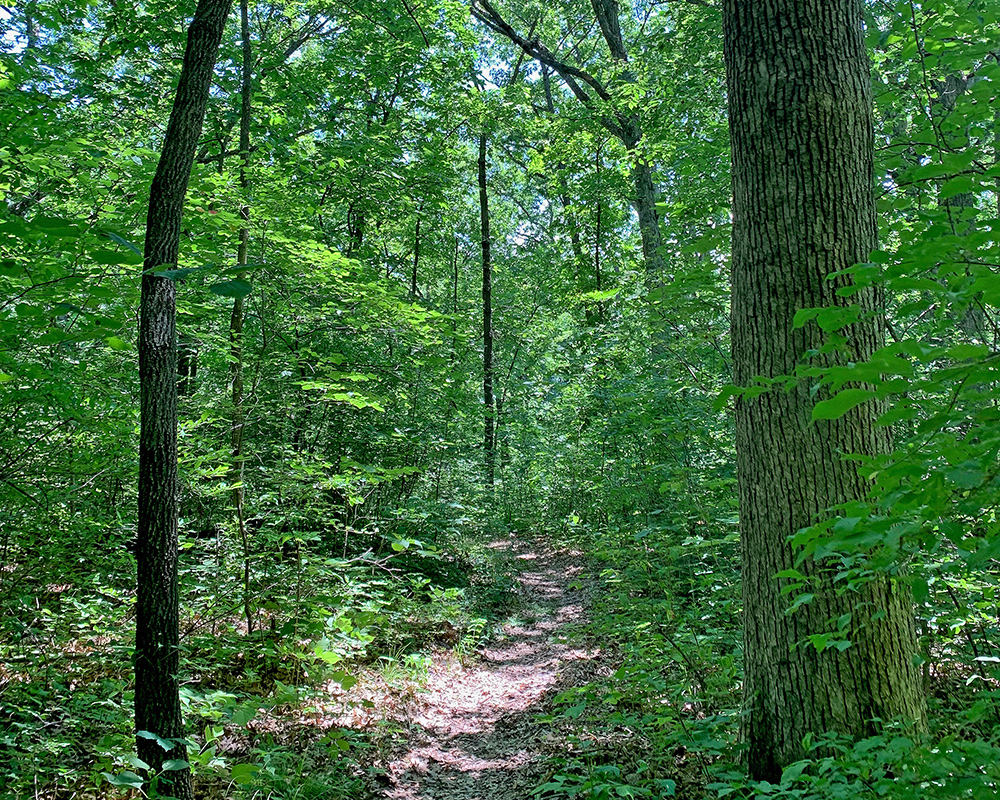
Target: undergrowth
{"type": "Point", "coordinates": [665, 721]}
{"type": "Point", "coordinates": [271, 703]}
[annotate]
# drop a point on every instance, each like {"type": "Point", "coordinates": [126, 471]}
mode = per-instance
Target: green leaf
{"type": "Point", "coordinates": [724, 396]}
{"type": "Point", "coordinates": [790, 573]}
{"type": "Point", "coordinates": [166, 744]}
{"type": "Point", "coordinates": [136, 762]}
{"type": "Point", "coordinates": [966, 475]}
{"type": "Point", "coordinates": [243, 714]}
{"type": "Point", "coordinates": [243, 773]}
{"type": "Point", "coordinates": [599, 297]}
{"type": "Point", "coordinates": [801, 600]}
{"type": "Point", "coordinates": [347, 682]}
{"type": "Point", "coordinates": [963, 184]}
{"type": "Point", "coordinates": [329, 656]}
{"type": "Point", "coordinates": [112, 257]}
{"type": "Point", "coordinates": [115, 343]}
{"type": "Point", "coordinates": [841, 403]}
{"type": "Point", "coordinates": [175, 765]}
{"type": "Point", "coordinates": [126, 780]}
{"type": "Point", "coordinates": [114, 237]}
{"type": "Point", "coordinates": [176, 274]}
{"type": "Point", "coordinates": [233, 288]}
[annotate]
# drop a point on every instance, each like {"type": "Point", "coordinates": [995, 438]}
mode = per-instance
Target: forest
{"type": "Point", "coordinates": [490, 400]}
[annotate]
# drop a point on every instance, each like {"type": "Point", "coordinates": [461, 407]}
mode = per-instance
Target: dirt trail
{"type": "Point", "coordinates": [471, 735]}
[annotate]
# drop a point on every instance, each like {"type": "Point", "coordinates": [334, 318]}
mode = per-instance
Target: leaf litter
{"type": "Point", "coordinates": [471, 733]}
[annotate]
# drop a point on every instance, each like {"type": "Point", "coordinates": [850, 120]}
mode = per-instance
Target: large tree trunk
{"type": "Point", "coordinates": [803, 208]}
{"type": "Point", "coordinates": [489, 404]}
{"type": "Point", "coordinates": [157, 701]}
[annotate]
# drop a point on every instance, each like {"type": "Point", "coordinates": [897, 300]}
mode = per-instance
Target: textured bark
{"type": "Point", "coordinates": [157, 702]}
{"type": "Point", "coordinates": [489, 439]}
{"type": "Point", "coordinates": [649, 222]}
{"type": "Point", "coordinates": [803, 208]}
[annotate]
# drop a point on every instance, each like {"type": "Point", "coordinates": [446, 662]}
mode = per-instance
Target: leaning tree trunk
{"type": "Point", "coordinates": [803, 209]}
{"type": "Point", "coordinates": [157, 661]}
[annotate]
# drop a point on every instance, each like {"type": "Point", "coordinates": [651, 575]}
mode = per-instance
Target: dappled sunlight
{"type": "Point", "coordinates": [471, 733]}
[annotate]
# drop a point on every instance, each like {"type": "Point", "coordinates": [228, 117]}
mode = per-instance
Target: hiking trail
{"type": "Point", "coordinates": [469, 733]}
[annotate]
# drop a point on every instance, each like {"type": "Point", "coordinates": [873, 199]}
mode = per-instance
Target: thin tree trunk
{"type": "Point", "coordinates": [576, 240]}
{"type": "Point", "coordinates": [630, 132]}
{"type": "Point", "coordinates": [803, 209]}
{"type": "Point", "coordinates": [236, 318]}
{"type": "Point", "coordinates": [31, 31]}
{"type": "Point", "coordinates": [649, 220]}
{"type": "Point", "coordinates": [157, 660]}
{"type": "Point", "coordinates": [416, 258]}
{"type": "Point", "coordinates": [624, 124]}
{"type": "Point", "coordinates": [187, 364]}
{"type": "Point", "coordinates": [488, 399]}
{"type": "Point", "coordinates": [597, 221]}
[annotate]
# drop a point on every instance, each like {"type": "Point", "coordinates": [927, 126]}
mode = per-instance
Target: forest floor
{"type": "Point", "coordinates": [471, 731]}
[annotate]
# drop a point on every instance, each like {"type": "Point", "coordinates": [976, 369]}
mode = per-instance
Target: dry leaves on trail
{"type": "Point", "coordinates": [471, 733]}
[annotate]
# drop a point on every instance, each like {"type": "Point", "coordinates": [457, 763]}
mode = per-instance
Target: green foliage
{"type": "Point", "coordinates": [890, 765]}
{"type": "Point", "coordinates": [363, 530]}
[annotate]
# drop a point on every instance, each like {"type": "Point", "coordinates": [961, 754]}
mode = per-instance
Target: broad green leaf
{"type": "Point", "coordinates": [136, 762]}
{"type": "Point", "coordinates": [790, 573]}
{"type": "Point", "coordinates": [243, 774]}
{"type": "Point", "coordinates": [963, 184]}
{"type": "Point", "coordinates": [166, 744]}
{"type": "Point", "coordinates": [112, 257]}
{"type": "Point", "coordinates": [175, 765]}
{"type": "Point", "coordinates": [177, 274]}
{"type": "Point", "coordinates": [243, 714]}
{"type": "Point", "coordinates": [233, 288]}
{"type": "Point", "coordinates": [126, 780]}
{"type": "Point", "coordinates": [841, 403]}
{"type": "Point", "coordinates": [329, 656]}
{"type": "Point", "coordinates": [114, 237]}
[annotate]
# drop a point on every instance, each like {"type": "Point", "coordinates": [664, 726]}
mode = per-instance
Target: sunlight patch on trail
{"type": "Point", "coordinates": [471, 731]}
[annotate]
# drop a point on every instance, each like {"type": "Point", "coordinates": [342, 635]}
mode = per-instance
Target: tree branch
{"type": "Point", "coordinates": [487, 14]}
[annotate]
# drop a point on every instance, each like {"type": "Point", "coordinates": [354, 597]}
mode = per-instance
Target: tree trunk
{"type": "Point", "coordinates": [629, 129]}
{"type": "Point", "coordinates": [187, 365]}
{"type": "Point", "coordinates": [649, 221]}
{"type": "Point", "coordinates": [416, 259]}
{"type": "Point", "coordinates": [624, 124]}
{"type": "Point", "coordinates": [803, 208]}
{"type": "Point", "coordinates": [157, 662]}
{"type": "Point", "coordinates": [236, 318]}
{"type": "Point", "coordinates": [488, 400]}
{"type": "Point", "coordinates": [31, 30]}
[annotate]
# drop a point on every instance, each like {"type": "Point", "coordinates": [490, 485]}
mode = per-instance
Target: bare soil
{"type": "Point", "coordinates": [471, 734]}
